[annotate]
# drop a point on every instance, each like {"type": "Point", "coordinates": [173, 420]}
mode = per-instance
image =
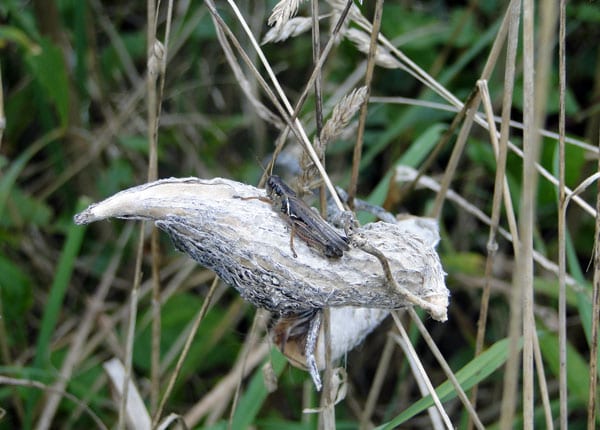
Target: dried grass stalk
{"type": "Point", "coordinates": [136, 412]}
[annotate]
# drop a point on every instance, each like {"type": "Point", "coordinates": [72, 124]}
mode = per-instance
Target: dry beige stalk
{"type": "Point", "coordinates": [136, 412]}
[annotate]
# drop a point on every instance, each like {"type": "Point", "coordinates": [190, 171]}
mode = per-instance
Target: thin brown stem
{"type": "Point", "coordinates": [433, 156]}
{"type": "Point", "coordinates": [260, 318]}
{"type": "Point", "coordinates": [512, 365]}
{"type": "Point", "coordinates": [362, 120]}
{"type": "Point", "coordinates": [461, 141]}
{"type": "Point", "coordinates": [131, 327]}
{"type": "Point", "coordinates": [593, 378]}
{"type": "Point", "coordinates": [377, 384]}
{"type": "Point", "coordinates": [324, 55]}
{"type": "Point", "coordinates": [188, 344]}
{"type": "Point", "coordinates": [316, 49]}
{"type": "Point", "coordinates": [152, 114]}
{"type": "Point", "coordinates": [562, 225]}
{"type": "Point", "coordinates": [304, 141]}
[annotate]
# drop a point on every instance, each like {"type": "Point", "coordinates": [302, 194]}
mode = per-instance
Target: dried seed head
{"type": "Point", "coordinates": [342, 114]}
{"type": "Point", "coordinates": [156, 59]}
{"type": "Point", "coordinates": [339, 5]}
{"type": "Point", "coordinates": [242, 241]}
{"type": "Point", "coordinates": [283, 12]}
{"type": "Point", "coordinates": [362, 41]}
{"type": "Point", "coordinates": [292, 28]}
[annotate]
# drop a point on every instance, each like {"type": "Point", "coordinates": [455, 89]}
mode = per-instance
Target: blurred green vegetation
{"type": "Point", "coordinates": [76, 131]}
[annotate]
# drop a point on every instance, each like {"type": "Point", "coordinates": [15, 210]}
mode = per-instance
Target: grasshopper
{"type": "Point", "coordinates": [304, 222]}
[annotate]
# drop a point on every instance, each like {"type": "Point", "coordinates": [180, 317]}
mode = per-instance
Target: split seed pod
{"type": "Point", "coordinates": [247, 244]}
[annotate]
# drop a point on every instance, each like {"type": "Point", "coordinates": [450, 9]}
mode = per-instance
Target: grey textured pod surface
{"type": "Point", "coordinates": [248, 245]}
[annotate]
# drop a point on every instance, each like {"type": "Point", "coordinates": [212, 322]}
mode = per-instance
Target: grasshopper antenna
{"type": "Point", "coordinates": [267, 171]}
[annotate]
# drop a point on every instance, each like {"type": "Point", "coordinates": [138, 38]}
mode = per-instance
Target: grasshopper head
{"type": "Point", "coordinates": [275, 187]}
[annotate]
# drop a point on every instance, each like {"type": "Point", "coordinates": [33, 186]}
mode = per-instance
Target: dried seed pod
{"type": "Point", "coordinates": [348, 328]}
{"type": "Point", "coordinates": [247, 244]}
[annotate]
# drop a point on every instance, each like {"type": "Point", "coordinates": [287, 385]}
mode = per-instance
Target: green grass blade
{"type": "Point", "coordinates": [59, 286]}
{"type": "Point", "coordinates": [54, 303]}
{"type": "Point", "coordinates": [252, 400]}
{"type": "Point", "coordinates": [472, 373]}
{"type": "Point", "coordinates": [414, 156]}
{"type": "Point", "coordinates": [7, 181]}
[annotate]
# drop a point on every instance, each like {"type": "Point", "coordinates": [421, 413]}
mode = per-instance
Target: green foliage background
{"type": "Point", "coordinates": [76, 132]}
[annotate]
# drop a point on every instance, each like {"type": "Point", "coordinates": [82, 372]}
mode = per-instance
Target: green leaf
{"type": "Point", "coordinates": [54, 302]}
{"type": "Point", "coordinates": [48, 68]}
{"type": "Point", "coordinates": [135, 142]}
{"type": "Point", "coordinates": [552, 103]}
{"type": "Point", "coordinates": [64, 270]}
{"type": "Point", "coordinates": [26, 210]}
{"type": "Point", "coordinates": [577, 369]}
{"type": "Point", "coordinates": [549, 287]}
{"type": "Point", "coordinates": [472, 373]}
{"type": "Point", "coordinates": [205, 352]}
{"type": "Point", "coordinates": [15, 291]}
{"type": "Point", "coordinates": [9, 178]}
{"type": "Point", "coordinates": [15, 35]}
{"type": "Point", "coordinates": [415, 155]}
{"type": "Point", "coordinates": [585, 12]}
{"type": "Point", "coordinates": [466, 263]}
{"type": "Point", "coordinates": [256, 393]}
{"type": "Point", "coordinates": [117, 176]}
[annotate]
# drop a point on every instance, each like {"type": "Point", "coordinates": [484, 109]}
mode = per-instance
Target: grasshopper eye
{"type": "Point", "coordinates": [269, 188]}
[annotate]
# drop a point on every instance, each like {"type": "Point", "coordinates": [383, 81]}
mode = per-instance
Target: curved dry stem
{"type": "Point", "coordinates": [446, 368]}
{"type": "Point", "coordinates": [5, 380]}
{"type": "Point", "coordinates": [84, 329]}
{"type": "Point", "coordinates": [186, 349]}
{"type": "Point", "coordinates": [437, 414]}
